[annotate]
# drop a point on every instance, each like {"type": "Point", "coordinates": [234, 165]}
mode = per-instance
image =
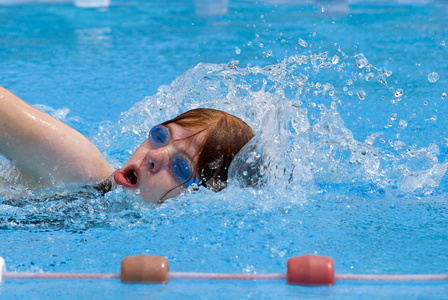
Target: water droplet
{"type": "Point", "coordinates": [369, 76]}
{"type": "Point", "coordinates": [361, 95]}
{"type": "Point", "coordinates": [443, 95]}
{"type": "Point", "coordinates": [433, 149]}
{"type": "Point", "coordinates": [269, 53]}
{"type": "Point", "coordinates": [331, 93]}
{"type": "Point", "coordinates": [335, 60]}
{"type": "Point", "coordinates": [443, 43]}
{"type": "Point", "coordinates": [349, 82]}
{"type": "Point", "coordinates": [382, 79]}
{"type": "Point", "coordinates": [303, 43]}
{"type": "Point", "coordinates": [399, 145]}
{"type": "Point", "coordinates": [398, 93]}
{"type": "Point", "coordinates": [361, 61]}
{"type": "Point", "coordinates": [323, 9]}
{"type": "Point", "coordinates": [385, 72]}
{"type": "Point", "coordinates": [393, 117]}
{"type": "Point", "coordinates": [261, 45]}
{"type": "Point", "coordinates": [433, 77]}
{"type": "Point", "coordinates": [425, 102]}
{"type": "Point", "coordinates": [249, 43]}
{"type": "Point", "coordinates": [237, 50]}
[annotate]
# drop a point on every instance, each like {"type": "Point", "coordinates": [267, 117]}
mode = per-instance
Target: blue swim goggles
{"type": "Point", "coordinates": [180, 165]}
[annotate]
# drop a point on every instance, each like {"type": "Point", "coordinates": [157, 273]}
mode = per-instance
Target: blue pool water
{"type": "Point", "coordinates": [349, 103]}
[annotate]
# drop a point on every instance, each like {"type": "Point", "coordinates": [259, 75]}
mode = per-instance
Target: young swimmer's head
{"type": "Point", "coordinates": [196, 146]}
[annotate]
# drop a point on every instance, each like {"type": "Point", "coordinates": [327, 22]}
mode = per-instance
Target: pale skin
{"type": "Point", "coordinates": [49, 152]}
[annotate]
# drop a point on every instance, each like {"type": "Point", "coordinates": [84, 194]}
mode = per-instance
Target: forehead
{"type": "Point", "coordinates": [183, 140]}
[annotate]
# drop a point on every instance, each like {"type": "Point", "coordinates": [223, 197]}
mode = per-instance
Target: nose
{"type": "Point", "coordinates": [156, 159]}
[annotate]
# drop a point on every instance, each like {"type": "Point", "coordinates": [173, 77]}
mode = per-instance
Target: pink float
{"type": "Point", "coordinates": [310, 270]}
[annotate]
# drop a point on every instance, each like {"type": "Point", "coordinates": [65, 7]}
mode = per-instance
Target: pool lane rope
{"type": "Point", "coordinates": [308, 270]}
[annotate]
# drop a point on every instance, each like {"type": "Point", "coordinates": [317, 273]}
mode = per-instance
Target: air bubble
{"type": "Point", "coordinates": [269, 53]}
{"type": "Point", "coordinates": [398, 93]}
{"type": "Point", "coordinates": [393, 117]}
{"type": "Point", "coordinates": [261, 45]}
{"type": "Point", "coordinates": [303, 43]}
{"type": "Point", "coordinates": [237, 50]}
{"type": "Point", "coordinates": [443, 95]}
{"type": "Point", "coordinates": [443, 43]}
{"type": "Point", "coordinates": [433, 77]}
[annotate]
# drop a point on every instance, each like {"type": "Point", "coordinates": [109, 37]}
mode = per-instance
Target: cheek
{"type": "Point", "coordinates": [138, 155]}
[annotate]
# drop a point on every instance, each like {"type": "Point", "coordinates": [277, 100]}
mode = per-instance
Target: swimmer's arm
{"type": "Point", "coordinates": [45, 148]}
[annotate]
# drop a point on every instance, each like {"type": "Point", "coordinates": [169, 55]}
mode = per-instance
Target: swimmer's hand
{"type": "Point", "coordinates": [46, 149]}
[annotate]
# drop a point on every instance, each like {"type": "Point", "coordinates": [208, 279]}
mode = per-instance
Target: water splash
{"type": "Point", "coordinates": [303, 148]}
{"type": "Point", "coordinates": [302, 143]}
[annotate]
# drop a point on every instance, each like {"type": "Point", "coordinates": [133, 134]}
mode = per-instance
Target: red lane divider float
{"type": "Point", "coordinates": [309, 270]}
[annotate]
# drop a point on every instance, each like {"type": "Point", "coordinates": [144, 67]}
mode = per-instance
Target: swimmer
{"type": "Point", "coordinates": [194, 147]}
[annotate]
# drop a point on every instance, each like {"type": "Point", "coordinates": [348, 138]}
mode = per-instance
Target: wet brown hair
{"type": "Point", "coordinates": [224, 137]}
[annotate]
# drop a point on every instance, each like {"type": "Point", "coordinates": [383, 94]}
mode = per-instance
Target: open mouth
{"type": "Point", "coordinates": [131, 177]}
{"type": "Point", "coordinates": [127, 177]}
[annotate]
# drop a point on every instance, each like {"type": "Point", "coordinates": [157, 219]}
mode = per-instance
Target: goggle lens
{"type": "Point", "coordinates": [159, 136]}
{"type": "Point", "coordinates": [181, 168]}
